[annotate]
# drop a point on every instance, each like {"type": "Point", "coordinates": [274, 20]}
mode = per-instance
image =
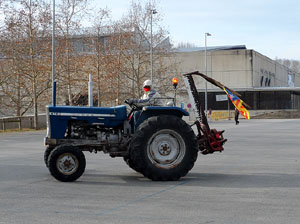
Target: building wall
{"type": "Point", "coordinates": [230, 67]}
{"type": "Point", "coordinates": [246, 71]}
{"type": "Point", "coordinates": [269, 69]}
{"type": "Point", "coordinates": [267, 72]}
{"type": "Point", "coordinates": [236, 68]}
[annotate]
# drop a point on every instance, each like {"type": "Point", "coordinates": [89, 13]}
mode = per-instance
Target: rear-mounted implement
{"type": "Point", "coordinates": [209, 140]}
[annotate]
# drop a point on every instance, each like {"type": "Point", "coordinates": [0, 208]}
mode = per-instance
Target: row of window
{"type": "Point", "coordinates": [265, 81]}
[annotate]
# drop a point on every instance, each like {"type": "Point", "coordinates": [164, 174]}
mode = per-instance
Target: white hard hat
{"type": "Point", "coordinates": [147, 83]}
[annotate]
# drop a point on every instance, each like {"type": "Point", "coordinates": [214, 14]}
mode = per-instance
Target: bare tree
{"type": "Point", "coordinates": [99, 44]}
{"type": "Point", "coordinates": [291, 64]}
{"type": "Point", "coordinates": [118, 55]}
{"type": "Point", "coordinates": [296, 65]}
{"type": "Point", "coordinates": [70, 13]}
{"type": "Point", "coordinates": [14, 88]}
{"type": "Point", "coordinates": [287, 62]}
{"type": "Point", "coordinates": [186, 45]}
{"type": "Point", "coordinates": [27, 32]}
{"type": "Point", "coordinates": [135, 50]}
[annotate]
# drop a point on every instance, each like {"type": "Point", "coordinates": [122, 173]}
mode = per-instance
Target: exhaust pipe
{"type": "Point", "coordinates": [54, 93]}
{"type": "Point", "coordinates": [90, 90]}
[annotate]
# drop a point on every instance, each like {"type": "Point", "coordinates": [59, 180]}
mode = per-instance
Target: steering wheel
{"type": "Point", "coordinates": [132, 105]}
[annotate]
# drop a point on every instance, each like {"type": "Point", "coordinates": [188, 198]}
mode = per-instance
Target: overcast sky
{"type": "Point", "coordinates": [271, 27]}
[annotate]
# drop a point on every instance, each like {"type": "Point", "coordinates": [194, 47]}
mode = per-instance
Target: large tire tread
{"type": "Point", "coordinates": [138, 148]}
{"type": "Point", "coordinates": [131, 164]}
{"type": "Point", "coordinates": [54, 155]}
{"type": "Point", "coordinates": [47, 154]}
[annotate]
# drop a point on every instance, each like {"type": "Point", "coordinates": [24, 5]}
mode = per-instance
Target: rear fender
{"type": "Point", "coordinates": [151, 111]}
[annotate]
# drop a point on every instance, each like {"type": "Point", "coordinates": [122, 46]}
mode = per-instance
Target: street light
{"type": "Point", "coordinates": [152, 12]}
{"type": "Point", "coordinates": [206, 35]}
{"type": "Point", "coordinates": [53, 57]}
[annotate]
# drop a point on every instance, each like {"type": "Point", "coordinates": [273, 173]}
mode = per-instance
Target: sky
{"type": "Point", "coordinates": [270, 27]}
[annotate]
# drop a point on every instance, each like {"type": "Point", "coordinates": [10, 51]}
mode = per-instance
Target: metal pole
{"type": "Point", "coordinates": [151, 53]}
{"type": "Point", "coordinates": [206, 34]}
{"type": "Point", "coordinates": [205, 80]}
{"type": "Point", "coordinates": [152, 11]}
{"type": "Point", "coordinates": [175, 98]}
{"type": "Point", "coordinates": [90, 90]}
{"type": "Point", "coordinates": [53, 57]}
{"type": "Point", "coordinates": [228, 108]}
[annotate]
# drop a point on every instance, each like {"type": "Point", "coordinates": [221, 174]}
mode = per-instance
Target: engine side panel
{"type": "Point", "coordinates": [59, 116]}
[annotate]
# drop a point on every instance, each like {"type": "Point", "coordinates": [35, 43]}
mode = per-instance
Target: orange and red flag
{"type": "Point", "coordinates": [238, 103]}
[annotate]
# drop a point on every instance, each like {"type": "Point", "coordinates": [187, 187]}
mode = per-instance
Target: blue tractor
{"type": "Point", "coordinates": [153, 140]}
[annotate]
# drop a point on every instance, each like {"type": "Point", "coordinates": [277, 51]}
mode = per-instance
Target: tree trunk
{"type": "Point", "coordinates": [68, 68]}
{"type": "Point", "coordinates": [70, 94]}
{"type": "Point", "coordinates": [35, 106]}
{"type": "Point", "coordinates": [99, 82]}
{"type": "Point", "coordinates": [138, 86]}
{"type": "Point", "coordinates": [33, 74]}
{"type": "Point", "coordinates": [19, 96]}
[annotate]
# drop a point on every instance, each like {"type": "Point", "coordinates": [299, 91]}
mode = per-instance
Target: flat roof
{"type": "Point", "coordinates": [266, 89]}
{"type": "Point", "coordinates": [211, 48]}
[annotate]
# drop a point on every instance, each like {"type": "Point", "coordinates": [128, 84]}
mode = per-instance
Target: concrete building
{"type": "Point", "coordinates": [263, 83]}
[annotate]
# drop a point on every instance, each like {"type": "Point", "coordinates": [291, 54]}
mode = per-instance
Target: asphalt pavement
{"type": "Point", "coordinates": [255, 180]}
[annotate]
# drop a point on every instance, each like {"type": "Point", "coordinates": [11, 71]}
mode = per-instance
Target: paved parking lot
{"type": "Point", "coordinates": [255, 180]}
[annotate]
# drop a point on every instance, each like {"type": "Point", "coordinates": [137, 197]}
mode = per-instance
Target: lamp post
{"type": "Point", "coordinates": [53, 57]}
{"type": "Point", "coordinates": [152, 12]}
{"type": "Point", "coordinates": [206, 35]}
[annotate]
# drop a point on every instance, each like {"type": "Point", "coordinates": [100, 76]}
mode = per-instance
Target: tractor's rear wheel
{"type": "Point", "coordinates": [164, 148]}
{"type": "Point", "coordinates": [130, 163]}
{"type": "Point", "coordinates": [66, 163]}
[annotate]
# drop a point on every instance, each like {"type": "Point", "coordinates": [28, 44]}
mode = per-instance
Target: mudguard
{"type": "Point", "coordinates": [150, 111]}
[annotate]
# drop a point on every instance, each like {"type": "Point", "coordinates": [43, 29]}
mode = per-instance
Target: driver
{"type": "Point", "coordinates": [149, 98]}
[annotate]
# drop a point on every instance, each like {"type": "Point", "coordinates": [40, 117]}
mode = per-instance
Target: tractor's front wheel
{"type": "Point", "coordinates": [66, 163]}
{"type": "Point", "coordinates": [164, 148]}
{"type": "Point", "coordinates": [46, 154]}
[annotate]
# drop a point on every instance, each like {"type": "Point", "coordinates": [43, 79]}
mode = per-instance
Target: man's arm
{"type": "Point", "coordinates": [145, 101]}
